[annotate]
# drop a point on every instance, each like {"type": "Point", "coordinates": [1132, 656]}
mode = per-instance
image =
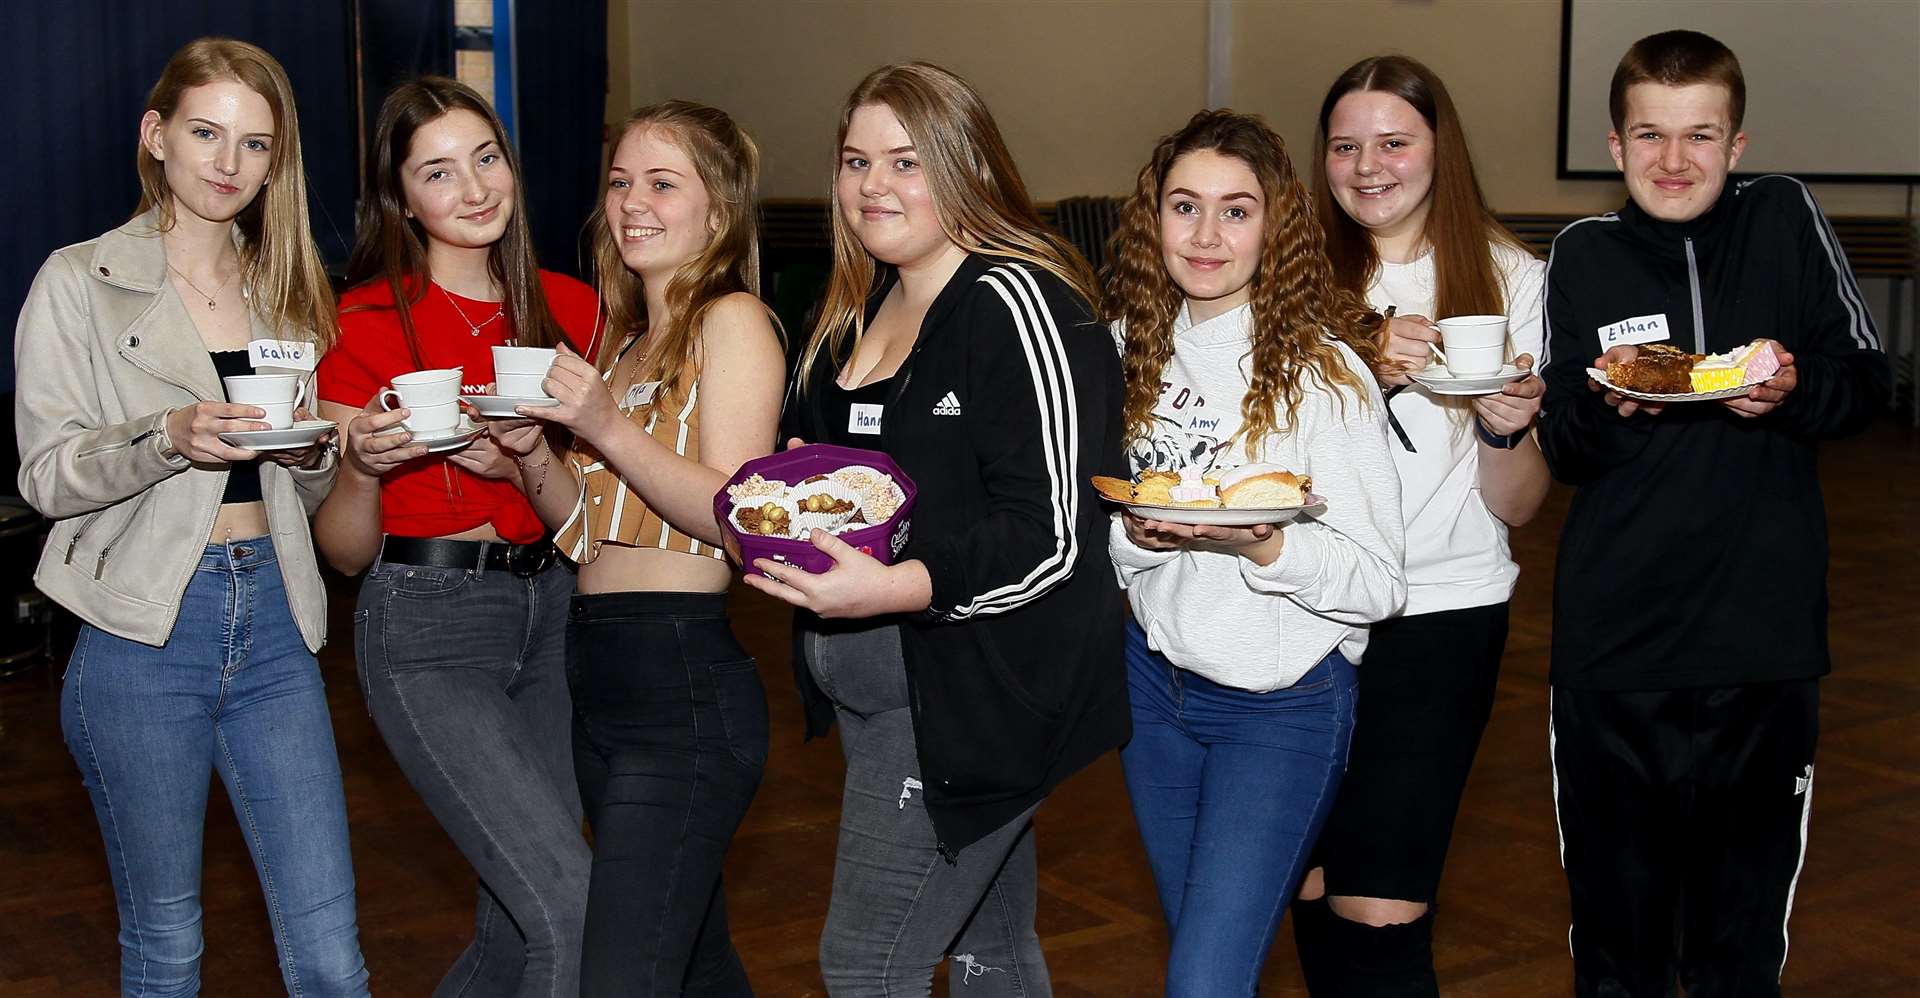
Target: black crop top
{"type": "Point", "coordinates": [243, 477]}
{"type": "Point", "coordinates": [838, 413]}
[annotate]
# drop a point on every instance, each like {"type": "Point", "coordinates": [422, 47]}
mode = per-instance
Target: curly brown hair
{"type": "Point", "coordinates": [1298, 310]}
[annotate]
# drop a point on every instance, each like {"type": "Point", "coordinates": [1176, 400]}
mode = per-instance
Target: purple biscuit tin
{"type": "Point", "coordinates": [884, 540]}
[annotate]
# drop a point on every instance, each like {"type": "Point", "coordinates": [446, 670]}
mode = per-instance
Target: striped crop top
{"type": "Point", "coordinates": [609, 511]}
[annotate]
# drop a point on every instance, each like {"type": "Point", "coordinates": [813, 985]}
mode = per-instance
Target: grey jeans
{"type": "Point", "coordinates": [898, 906]}
{"type": "Point", "coordinates": [464, 673]}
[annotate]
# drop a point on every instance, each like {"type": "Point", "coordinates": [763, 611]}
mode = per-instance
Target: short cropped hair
{"type": "Point", "coordinates": [1678, 59]}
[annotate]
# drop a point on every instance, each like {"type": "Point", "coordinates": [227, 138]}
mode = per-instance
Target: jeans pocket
{"type": "Point", "coordinates": [427, 582]}
{"type": "Point", "coordinates": [360, 653]}
{"type": "Point", "coordinates": [742, 700]}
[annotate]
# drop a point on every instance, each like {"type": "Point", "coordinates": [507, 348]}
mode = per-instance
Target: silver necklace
{"type": "Point", "coordinates": [472, 326]}
{"type": "Point", "coordinates": [196, 288]}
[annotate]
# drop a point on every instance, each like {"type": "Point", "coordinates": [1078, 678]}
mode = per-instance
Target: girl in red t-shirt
{"type": "Point", "coordinates": [461, 621]}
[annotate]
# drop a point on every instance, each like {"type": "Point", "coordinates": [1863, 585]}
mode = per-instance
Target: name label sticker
{"type": "Point", "coordinates": [1639, 329]}
{"type": "Point", "coordinates": [864, 417]}
{"type": "Point", "coordinates": [639, 395]}
{"type": "Point", "coordinates": [291, 354]}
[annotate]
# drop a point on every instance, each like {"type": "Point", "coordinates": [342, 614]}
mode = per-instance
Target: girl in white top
{"type": "Point", "coordinates": [1407, 225]}
{"type": "Point", "coordinates": [1240, 658]}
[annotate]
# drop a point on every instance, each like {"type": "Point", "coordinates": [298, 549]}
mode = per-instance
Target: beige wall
{"type": "Point", "coordinates": [1082, 88]}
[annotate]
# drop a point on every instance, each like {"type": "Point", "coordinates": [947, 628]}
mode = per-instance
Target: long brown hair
{"type": "Point", "coordinates": [279, 265]}
{"type": "Point", "coordinates": [977, 191]}
{"type": "Point", "coordinates": [1459, 226]}
{"type": "Point", "coordinates": [728, 163]}
{"type": "Point", "coordinates": [1296, 305]}
{"type": "Point", "coordinates": [391, 246]}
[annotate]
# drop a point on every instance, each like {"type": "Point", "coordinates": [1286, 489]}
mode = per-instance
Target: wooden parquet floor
{"type": "Point", "coordinates": [1504, 915]}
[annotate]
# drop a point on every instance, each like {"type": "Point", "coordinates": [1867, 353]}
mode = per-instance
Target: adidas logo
{"type": "Point", "coordinates": [1801, 783]}
{"type": "Point", "coordinates": [949, 406]}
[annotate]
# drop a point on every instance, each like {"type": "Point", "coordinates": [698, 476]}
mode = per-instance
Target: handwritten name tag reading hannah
{"type": "Point", "coordinates": [864, 417]}
{"type": "Point", "coordinates": [1639, 329]}
{"type": "Point", "coordinates": [291, 354]}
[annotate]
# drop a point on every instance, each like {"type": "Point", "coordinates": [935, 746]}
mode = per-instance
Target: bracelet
{"type": "Point", "coordinates": [545, 464]}
{"type": "Point", "coordinates": [1495, 440]}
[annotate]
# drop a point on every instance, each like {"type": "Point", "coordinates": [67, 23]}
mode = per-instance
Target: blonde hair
{"type": "Point", "coordinates": [982, 203]}
{"type": "Point", "coordinates": [1297, 306]}
{"type": "Point", "coordinates": [728, 163]}
{"type": "Point", "coordinates": [279, 265]}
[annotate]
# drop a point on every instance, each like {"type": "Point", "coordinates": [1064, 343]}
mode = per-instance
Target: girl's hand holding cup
{"type": "Point", "coordinates": [373, 453]}
{"type": "Point", "coordinates": [1407, 347]}
{"type": "Point", "coordinates": [584, 403]}
{"type": "Point", "coordinates": [194, 430]}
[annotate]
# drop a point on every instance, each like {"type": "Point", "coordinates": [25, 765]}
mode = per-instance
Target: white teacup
{"type": "Point", "coordinates": [1474, 362]}
{"type": "Point", "coordinates": [417, 389]}
{"type": "Point", "coordinates": [435, 418]}
{"type": "Point", "coordinates": [1472, 331]}
{"type": "Point", "coordinates": [520, 386]}
{"type": "Point", "coordinates": [276, 394]}
{"type": "Point", "coordinates": [519, 371]}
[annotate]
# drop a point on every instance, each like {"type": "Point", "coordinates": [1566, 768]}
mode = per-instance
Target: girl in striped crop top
{"type": "Point", "coordinates": [659, 421]}
{"type": "Point", "coordinates": [609, 510]}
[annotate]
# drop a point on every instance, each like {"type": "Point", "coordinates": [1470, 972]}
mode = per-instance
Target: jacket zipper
{"type": "Point", "coordinates": [100, 563]}
{"type": "Point", "coordinates": [1693, 286]}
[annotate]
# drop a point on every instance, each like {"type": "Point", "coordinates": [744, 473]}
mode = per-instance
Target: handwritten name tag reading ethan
{"type": "Point", "coordinates": [1639, 329]}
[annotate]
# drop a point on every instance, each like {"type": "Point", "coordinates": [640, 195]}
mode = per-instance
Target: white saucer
{"type": "Point", "coordinates": [442, 441]}
{"type": "Point", "coordinates": [293, 437]}
{"type": "Point", "coordinates": [1436, 380]}
{"type": "Point", "coordinates": [1226, 516]}
{"type": "Point", "coordinates": [501, 406]}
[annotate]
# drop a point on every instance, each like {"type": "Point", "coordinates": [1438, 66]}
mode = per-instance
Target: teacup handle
{"type": "Point", "coordinates": [389, 406]}
{"type": "Point", "coordinates": [1438, 354]}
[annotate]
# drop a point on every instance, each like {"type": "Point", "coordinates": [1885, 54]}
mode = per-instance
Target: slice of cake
{"type": "Point", "coordinates": [1658, 369]}
{"type": "Point", "coordinates": [1716, 372]}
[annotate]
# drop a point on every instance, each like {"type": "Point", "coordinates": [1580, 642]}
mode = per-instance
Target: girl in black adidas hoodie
{"type": "Point", "coordinates": [973, 676]}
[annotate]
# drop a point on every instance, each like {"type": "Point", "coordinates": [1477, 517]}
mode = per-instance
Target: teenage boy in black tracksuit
{"type": "Point", "coordinates": [1690, 592]}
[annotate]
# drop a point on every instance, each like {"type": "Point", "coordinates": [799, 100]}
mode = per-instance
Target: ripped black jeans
{"type": "Point", "coordinates": [898, 907]}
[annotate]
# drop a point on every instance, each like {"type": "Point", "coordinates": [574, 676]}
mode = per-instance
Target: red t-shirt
{"type": "Point", "coordinates": [431, 497]}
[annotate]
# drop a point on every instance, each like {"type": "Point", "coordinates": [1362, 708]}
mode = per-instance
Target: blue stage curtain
{"type": "Point", "coordinates": [560, 72]}
{"type": "Point", "coordinates": [76, 75]}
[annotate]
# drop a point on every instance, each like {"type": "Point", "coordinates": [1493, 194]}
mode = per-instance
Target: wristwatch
{"type": "Point", "coordinates": [1502, 442]}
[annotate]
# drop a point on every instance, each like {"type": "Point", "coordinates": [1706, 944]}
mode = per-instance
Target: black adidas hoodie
{"type": "Point", "coordinates": [1008, 403]}
{"type": "Point", "coordinates": [1695, 551]}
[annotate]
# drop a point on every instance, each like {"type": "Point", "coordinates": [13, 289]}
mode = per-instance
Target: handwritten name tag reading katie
{"type": "Point", "coordinates": [1639, 329]}
{"type": "Point", "coordinates": [290, 354]}
{"type": "Point", "coordinates": [864, 417]}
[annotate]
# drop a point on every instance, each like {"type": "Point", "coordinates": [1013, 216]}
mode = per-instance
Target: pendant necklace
{"type": "Point", "coordinates": [472, 326]}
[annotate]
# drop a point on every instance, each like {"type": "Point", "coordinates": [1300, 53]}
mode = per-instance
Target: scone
{"type": "Point", "coordinates": [1263, 486]}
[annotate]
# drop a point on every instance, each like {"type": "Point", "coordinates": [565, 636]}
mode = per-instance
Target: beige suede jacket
{"type": "Point", "coordinates": [104, 351]}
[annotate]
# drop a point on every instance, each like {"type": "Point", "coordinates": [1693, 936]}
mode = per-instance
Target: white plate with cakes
{"type": "Point", "coordinates": [1243, 497]}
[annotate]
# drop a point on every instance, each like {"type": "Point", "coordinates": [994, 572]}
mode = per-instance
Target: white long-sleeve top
{"type": "Point", "coordinates": [1457, 554]}
{"type": "Point", "coordinates": [1253, 627]}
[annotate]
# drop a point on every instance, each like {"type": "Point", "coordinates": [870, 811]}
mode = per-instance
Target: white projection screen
{"type": "Point", "coordinates": [1833, 86]}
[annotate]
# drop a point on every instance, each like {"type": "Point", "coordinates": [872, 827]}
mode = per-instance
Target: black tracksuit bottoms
{"type": "Point", "coordinates": [1683, 825]}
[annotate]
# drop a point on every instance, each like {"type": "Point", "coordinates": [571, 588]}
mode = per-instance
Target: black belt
{"type": "Point", "coordinates": [478, 556]}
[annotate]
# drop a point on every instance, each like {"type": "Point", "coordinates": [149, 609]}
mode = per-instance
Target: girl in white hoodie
{"type": "Point", "coordinates": [1241, 653]}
